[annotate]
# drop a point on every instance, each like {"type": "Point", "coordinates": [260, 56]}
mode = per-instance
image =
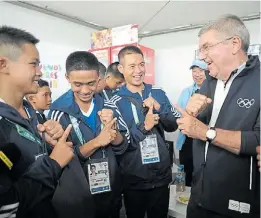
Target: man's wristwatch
{"type": "Point", "coordinates": [211, 134]}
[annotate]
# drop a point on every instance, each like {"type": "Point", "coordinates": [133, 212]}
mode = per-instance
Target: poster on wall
{"type": "Point", "coordinates": [101, 39]}
{"type": "Point", "coordinates": [127, 34]}
{"type": "Point", "coordinates": [50, 73]}
{"type": "Point", "coordinates": [103, 55]}
{"type": "Point", "coordinates": [53, 58]}
{"type": "Point", "coordinates": [54, 74]}
{"type": "Point", "coordinates": [149, 58]}
{"type": "Point", "coordinates": [115, 51]}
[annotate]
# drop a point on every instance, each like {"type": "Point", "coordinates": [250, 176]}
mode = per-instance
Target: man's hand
{"type": "Point", "coordinates": [63, 151]}
{"type": "Point", "coordinates": [107, 135]}
{"type": "Point", "coordinates": [191, 126]}
{"type": "Point", "coordinates": [197, 103]}
{"type": "Point", "coordinates": [106, 115]}
{"type": "Point", "coordinates": [258, 156]}
{"type": "Point", "coordinates": [151, 119]}
{"type": "Point", "coordinates": [151, 101]}
{"type": "Point", "coordinates": [53, 131]}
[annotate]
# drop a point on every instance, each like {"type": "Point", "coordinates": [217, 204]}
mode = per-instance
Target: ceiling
{"type": "Point", "coordinates": [151, 16]}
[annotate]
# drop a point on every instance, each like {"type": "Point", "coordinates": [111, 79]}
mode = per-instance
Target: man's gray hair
{"type": "Point", "coordinates": [229, 26]}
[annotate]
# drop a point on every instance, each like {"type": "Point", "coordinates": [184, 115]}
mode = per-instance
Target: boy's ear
{"type": "Point", "coordinates": [120, 68]}
{"type": "Point", "coordinates": [31, 98]}
{"type": "Point", "coordinates": [4, 65]}
{"type": "Point", "coordinates": [67, 77]}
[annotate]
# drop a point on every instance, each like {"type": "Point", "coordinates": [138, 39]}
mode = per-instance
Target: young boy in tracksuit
{"type": "Point", "coordinates": [35, 169]}
{"type": "Point", "coordinates": [110, 80]}
{"type": "Point", "coordinates": [145, 166]}
{"type": "Point", "coordinates": [99, 132]}
{"type": "Point", "coordinates": [41, 101]}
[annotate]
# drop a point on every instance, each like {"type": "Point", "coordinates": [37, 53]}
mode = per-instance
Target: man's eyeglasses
{"type": "Point", "coordinates": [205, 49]}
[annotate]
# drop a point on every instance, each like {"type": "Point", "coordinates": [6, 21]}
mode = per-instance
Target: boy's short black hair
{"type": "Point", "coordinates": [12, 39]}
{"type": "Point", "coordinates": [43, 83]}
{"type": "Point", "coordinates": [113, 69]}
{"type": "Point", "coordinates": [102, 70]}
{"type": "Point", "coordinates": [81, 60]}
{"type": "Point", "coordinates": [113, 66]}
{"type": "Point", "coordinates": [130, 49]}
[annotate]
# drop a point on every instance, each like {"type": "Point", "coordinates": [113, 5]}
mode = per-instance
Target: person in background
{"type": "Point", "coordinates": [226, 130]}
{"type": "Point", "coordinates": [110, 82]}
{"type": "Point", "coordinates": [41, 101]}
{"type": "Point", "coordinates": [114, 78]}
{"type": "Point", "coordinates": [102, 74]}
{"type": "Point", "coordinates": [184, 143]}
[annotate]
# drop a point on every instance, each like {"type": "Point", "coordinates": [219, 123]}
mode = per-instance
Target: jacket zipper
{"type": "Point", "coordinates": [203, 165]}
{"type": "Point", "coordinates": [251, 173]}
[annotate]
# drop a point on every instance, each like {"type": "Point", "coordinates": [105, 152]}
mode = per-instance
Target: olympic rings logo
{"type": "Point", "coordinates": [247, 103]}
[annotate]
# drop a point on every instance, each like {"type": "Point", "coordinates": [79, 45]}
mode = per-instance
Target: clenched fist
{"type": "Point", "coordinates": [151, 119]}
{"type": "Point", "coordinates": [53, 131]}
{"type": "Point", "coordinates": [151, 101]}
{"type": "Point", "coordinates": [197, 103]}
{"type": "Point", "coordinates": [106, 115]}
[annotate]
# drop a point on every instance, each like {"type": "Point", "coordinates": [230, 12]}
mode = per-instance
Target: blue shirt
{"type": "Point", "coordinates": [90, 116]}
{"type": "Point", "coordinates": [182, 102]}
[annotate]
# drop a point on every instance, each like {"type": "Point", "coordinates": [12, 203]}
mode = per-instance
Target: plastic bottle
{"type": "Point", "coordinates": [180, 179]}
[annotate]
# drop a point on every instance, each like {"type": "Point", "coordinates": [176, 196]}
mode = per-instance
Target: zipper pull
{"type": "Point", "coordinates": [103, 153]}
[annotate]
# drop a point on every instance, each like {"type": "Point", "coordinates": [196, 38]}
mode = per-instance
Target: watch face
{"type": "Point", "coordinates": [211, 134]}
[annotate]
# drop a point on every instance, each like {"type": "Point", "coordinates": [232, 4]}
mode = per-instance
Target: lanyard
{"type": "Point", "coordinates": [105, 94]}
{"type": "Point", "coordinates": [135, 113]}
{"type": "Point", "coordinates": [76, 128]}
{"type": "Point", "coordinates": [25, 133]}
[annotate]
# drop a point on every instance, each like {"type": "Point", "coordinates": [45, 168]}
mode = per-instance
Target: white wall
{"type": "Point", "coordinates": [58, 38]}
{"type": "Point", "coordinates": [47, 28]}
{"type": "Point", "coordinates": [174, 54]}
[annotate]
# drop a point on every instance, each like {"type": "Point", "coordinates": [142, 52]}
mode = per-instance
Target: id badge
{"type": "Point", "coordinates": [99, 176]}
{"type": "Point", "coordinates": [149, 150]}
